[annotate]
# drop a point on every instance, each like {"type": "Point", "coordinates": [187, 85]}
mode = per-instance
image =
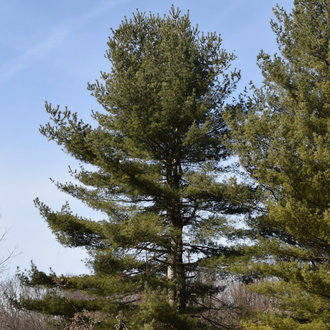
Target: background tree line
{"type": "Point", "coordinates": [182, 229]}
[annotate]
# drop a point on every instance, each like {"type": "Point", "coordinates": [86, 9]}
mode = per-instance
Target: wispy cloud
{"type": "Point", "coordinates": [36, 52]}
{"type": "Point", "coordinates": [53, 41]}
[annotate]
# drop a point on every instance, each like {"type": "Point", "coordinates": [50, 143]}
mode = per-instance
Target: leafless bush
{"type": "Point", "coordinates": [233, 302]}
{"type": "Point", "coordinates": [246, 300]}
{"type": "Point", "coordinates": [12, 318]}
{"type": "Point", "coordinates": [4, 259]}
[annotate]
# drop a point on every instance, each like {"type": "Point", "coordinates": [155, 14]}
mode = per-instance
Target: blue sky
{"type": "Point", "coordinates": [49, 50]}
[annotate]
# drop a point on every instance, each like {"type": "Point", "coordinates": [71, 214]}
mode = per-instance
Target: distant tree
{"type": "Point", "coordinates": [281, 136]}
{"type": "Point", "coordinates": [156, 157]}
{"type": "Point", "coordinates": [12, 317]}
{"type": "Point", "coordinates": [4, 258]}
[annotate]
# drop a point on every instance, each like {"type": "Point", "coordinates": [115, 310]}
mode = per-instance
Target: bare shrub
{"type": "Point", "coordinates": [248, 301]}
{"type": "Point", "coordinates": [230, 302]}
{"type": "Point", "coordinates": [12, 318]}
{"type": "Point", "coordinates": [4, 259]}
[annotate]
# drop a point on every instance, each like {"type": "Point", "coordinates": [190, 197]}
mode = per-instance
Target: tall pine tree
{"type": "Point", "coordinates": [156, 153]}
{"type": "Point", "coordinates": [281, 136]}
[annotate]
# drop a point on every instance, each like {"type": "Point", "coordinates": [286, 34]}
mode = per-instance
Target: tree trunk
{"type": "Point", "coordinates": [176, 273]}
{"type": "Point", "coordinates": [175, 270]}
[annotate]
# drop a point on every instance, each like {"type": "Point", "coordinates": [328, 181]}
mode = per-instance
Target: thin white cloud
{"type": "Point", "coordinates": [54, 40]}
{"type": "Point", "coordinates": [36, 52]}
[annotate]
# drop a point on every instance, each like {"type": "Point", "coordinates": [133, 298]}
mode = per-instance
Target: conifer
{"type": "Point", "coordinates": [151, 163]}
{"type": "Point", "coordinates": [281, 136]}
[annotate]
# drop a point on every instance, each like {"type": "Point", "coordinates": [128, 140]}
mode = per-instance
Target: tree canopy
{"type": "Point", "coordinates": [281, 136]}
{"type": "Point", "coordinates": [154, 159]}
{"type": "Point", "coordinates": [154, 163]}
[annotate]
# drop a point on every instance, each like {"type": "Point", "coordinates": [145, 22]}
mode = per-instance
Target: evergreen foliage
{"type": "Point", "coordinates": [282, 138]}
{"type": "Point", "coordinates": [155, 153]}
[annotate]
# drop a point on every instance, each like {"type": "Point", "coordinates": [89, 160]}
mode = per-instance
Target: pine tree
{"type": "Point", "coordinates": [281, 136]}
{"type": "Point", "coordinates": [154, 161]}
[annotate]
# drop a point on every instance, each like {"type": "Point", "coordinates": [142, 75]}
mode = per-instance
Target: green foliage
{"type": "Point", "coordinates": [155, 153]}
{"type": "Point", "coordinates": [157, 313]}
{"type": "Point", "coordinates": [282, 138]}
